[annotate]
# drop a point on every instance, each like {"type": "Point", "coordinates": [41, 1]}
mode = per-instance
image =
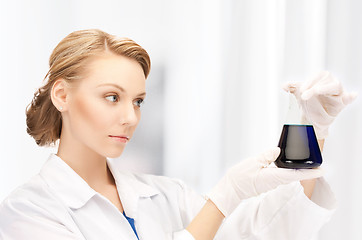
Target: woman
{"type": "Point", "coordinates": [91, 104]}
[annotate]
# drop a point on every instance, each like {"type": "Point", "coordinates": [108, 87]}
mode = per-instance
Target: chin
{"type": "Point", "coordinates": [113, 154]}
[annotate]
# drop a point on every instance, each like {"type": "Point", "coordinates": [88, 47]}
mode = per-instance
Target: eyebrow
{"type": "Point", "coordinates": [119, 87]}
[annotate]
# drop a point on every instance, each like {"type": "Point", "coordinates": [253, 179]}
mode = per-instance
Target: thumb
{"type": "Point", "coordinates": [269, 156]}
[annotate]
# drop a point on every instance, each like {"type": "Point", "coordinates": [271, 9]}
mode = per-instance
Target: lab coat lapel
{"type": "Point", "coordinates": [149, 224]}
{"type": "Point", "coordinates": [133, 194]}
{"type": "Point", "coordinates": [130, 190]}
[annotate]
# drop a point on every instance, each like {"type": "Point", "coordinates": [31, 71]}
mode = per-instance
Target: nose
{"type": "Point", "coordinates": [128, 114]}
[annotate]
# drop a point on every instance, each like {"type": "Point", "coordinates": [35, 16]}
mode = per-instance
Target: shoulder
{"type": "Point", "coordinates": [34, 191]}
{"type": "Point", "coordinates": [30, 203]}
{"type": "Point", "coordinates": [28, 193]}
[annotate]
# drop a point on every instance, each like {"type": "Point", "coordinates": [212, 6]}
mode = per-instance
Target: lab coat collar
{"type": "Point", "coordinates": [75, 192]}
{"type": "Point", "coordinates": [130, 189]}
{"type": "Point", "coordinates": [66, 183]}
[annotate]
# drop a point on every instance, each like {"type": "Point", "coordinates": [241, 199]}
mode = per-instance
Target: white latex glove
{"type": "Point", "coordinates": [252, 177]}
{"type": "Point", "coordinates": [321, 99]}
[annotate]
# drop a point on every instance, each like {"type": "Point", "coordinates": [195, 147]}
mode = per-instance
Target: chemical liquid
{"type": "Point", "coordinates": [299, 147]}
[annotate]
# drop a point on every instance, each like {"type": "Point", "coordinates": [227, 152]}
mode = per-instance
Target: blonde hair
{"type": "Point", "coordinates": [67, 61]}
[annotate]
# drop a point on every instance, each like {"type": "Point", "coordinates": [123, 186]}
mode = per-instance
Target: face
{"type": "Point", "coordinates": [104, 108]}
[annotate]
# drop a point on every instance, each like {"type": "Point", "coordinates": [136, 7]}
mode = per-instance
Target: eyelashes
{"type": "Point", "coordinates": [139, 102]}
{"type": "Point", "coordinates": [114, 98]}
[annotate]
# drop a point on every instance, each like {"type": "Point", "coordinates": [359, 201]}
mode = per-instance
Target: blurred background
{"type": "Point", "coordinates": [214, 93]}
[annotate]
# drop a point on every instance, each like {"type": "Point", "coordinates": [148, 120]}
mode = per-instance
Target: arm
{"type": "Point", "coordinates": [321, 98]}
{"type": "Point", "coordinates": [249, 178]}
{"type": "Point", "coordinates": [206, 223]}
{"type": "Point", "coordinates": [284, 213]}
{"type": "Point", "coordinates": [309, 184]}
{"type": "Point", "coordinates": [262, 216]}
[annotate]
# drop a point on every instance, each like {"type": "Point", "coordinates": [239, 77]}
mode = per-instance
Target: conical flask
{"type": "Point", "coordinates": [298, 142]}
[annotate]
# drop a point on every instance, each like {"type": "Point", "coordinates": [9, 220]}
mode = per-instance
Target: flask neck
{"type": "Point", "coordinates": [295, 113]}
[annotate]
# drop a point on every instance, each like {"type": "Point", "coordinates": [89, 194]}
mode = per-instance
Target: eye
{"type": "Point", "coordinates": [138, 102]}
{"type": "Point", "coordinates": [112, 98]}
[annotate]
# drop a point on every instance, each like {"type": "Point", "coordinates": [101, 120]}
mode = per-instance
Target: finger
{"type": "Point", "coordinates": [347, 98]}
{"type": "Point", "coordinates": [323, 84]}
{"type": "Point", "coordinates": [269, 156]}
{"type": "Point", "coordinates": [329, 89]}
{"type": "Point", "coordinates": [334, 88]}
{"type": "Point", "coordinates": [291, 86]}
{"type": "Point", "coordinates": [270, 178]}
{"type": "Point", "coordinates": [308, 94]}
{"type": "Point", "coordinates": [321, 76]}
{"type": "Point", "coordinates": [292, 175]}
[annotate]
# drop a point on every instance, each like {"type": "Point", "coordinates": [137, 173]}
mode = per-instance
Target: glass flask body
{"type": "Point", "coordinates": [299, 147]}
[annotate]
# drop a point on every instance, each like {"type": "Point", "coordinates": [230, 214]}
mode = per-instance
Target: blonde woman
{"type": "Point", "coordinates": [91, 102]}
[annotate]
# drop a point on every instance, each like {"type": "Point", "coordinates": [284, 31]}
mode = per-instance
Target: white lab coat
{"type": "Point", "coordinates": [58, 204]}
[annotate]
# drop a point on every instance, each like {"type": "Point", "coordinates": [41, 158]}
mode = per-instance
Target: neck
{"type": "Point", "coordinates": [89, 165]}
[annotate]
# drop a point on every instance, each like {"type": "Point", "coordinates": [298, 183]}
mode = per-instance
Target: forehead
{"type": "Point", "coordinates": [114, 69]}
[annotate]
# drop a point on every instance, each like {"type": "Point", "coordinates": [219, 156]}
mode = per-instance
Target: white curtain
{"type": "Point", "coordinates": [224, 102]}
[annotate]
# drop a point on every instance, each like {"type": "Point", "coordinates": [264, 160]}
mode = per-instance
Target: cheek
{"type": "Point", "coordinates": [92, 114]}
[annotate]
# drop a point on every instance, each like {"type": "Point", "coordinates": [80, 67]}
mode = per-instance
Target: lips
{"type": "Point", "coordinates": [120, 138]}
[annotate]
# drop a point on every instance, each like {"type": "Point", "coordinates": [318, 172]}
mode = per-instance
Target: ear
{"type": "Point", "coordinates": [59, 94]}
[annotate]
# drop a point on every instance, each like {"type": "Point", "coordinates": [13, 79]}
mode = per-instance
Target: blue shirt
{"type": "Point", "coordinates": [131, 222]}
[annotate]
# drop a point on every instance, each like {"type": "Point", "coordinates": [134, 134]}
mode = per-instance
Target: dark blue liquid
{"type": "Point", "coordinates": [299, 147]}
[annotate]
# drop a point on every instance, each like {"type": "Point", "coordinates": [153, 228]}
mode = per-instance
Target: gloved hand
{"type": "Point", "coordinates": [321, 99]}
{"type": "Point", "coordinates": [254, 176]}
